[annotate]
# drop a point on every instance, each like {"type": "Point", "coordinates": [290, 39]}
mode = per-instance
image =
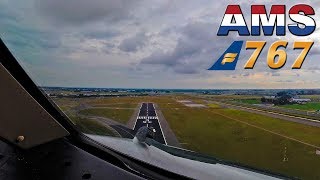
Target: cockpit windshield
{"type": "Point", "coordinates": [114, 67]}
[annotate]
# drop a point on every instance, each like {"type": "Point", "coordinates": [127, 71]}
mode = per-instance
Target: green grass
{"type": "Point", "coordinates": [298, 131]}
{"type": "Point", "coordinates": [230, 97]}
{"type": "Point", "coordinates": [210, 131]}
{"type": "Point", "coordinates": [214, 106]}
{"type": "Point", "coordinates": [130, 101]}
{"type": "Point", "coordinates": [205, 131]}
{"type": "Point", "coordinates": [91, 127]}
{"type": "Point", "coordinates": [66, 102]}
{"type": "Point", "coordinates": [276, 110]}
{"type": "Point", "coordinates": [64, 108]}
{"type": "Point", "coordinates": [119, 115]}
{"type": "Point", "coordinates": [311, 106]}
{"type": "Point", "coordinates": [311, 96]}
{"type": "Point", "coordinates": [117, 105]}
{"type": "Point", "coordinates": [250, 101]}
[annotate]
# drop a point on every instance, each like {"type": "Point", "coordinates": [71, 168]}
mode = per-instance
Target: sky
{"type": "Point", "coordinates": [143, 44]}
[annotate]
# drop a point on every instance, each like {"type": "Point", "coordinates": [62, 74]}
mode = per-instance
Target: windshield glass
{"type": "Point", "coordinates": [115, 66]}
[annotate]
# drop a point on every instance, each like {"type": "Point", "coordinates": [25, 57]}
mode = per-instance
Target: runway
{"type": "Point", "coordinates": [147, 116]}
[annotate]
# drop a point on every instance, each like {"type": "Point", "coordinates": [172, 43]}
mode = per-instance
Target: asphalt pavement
{"type": "Point", "coordinates": [148, 117]}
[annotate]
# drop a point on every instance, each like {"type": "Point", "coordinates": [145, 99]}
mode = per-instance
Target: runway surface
{"type": "Point", "coordinates": [147, 116]}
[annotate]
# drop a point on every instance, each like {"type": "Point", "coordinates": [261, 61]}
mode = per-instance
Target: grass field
{"type": "Point", "coordinates": [230, 97]}
{"type": "Point", "coordinates": [247, 138]}
{"type": "Point", "coordinates": [91, 127]}
{"type": "Point", "coordinates": [315, 97]}
{"type": "Point", "coordinates": [249, 101]}
{"type": "Point", "coordinates": [117, 105]}
{"type": "Point", "coordinates": [298, 131]}
{"type": "Point", "coordinates": [120, 115]}
{"type": "Point", "coordinates": [66, 102]}
{"type": "Point", "coordinates": [214, 134]}
{"type": "Point", "coordinates": [214, 131]}
{"type": "Point", "coordinates": [214, 106]}
{"type": "Point", "coordinates": [312, 106]}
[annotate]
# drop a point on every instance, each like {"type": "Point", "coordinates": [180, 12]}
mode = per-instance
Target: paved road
{"type": "Point", "coordinates": [148, 117]}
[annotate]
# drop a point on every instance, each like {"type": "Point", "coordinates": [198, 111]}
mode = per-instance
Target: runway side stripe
{"type": "Point", "coordinates": [164, 138]}
{"type": "Point", "coordinates": [134, 127]}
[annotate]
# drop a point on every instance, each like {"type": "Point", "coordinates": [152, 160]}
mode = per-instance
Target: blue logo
{"type": "Point", "coordinates": [229, 58]}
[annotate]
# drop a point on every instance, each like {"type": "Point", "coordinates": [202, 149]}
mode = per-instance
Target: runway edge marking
{"type": "Point", "coordinates": [135, 123]}
{"type": "Point", "coordinates": [164, 137]}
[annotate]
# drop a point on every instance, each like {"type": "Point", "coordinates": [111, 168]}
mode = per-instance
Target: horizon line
{"type": "Point", "coordinates": [182, 88]}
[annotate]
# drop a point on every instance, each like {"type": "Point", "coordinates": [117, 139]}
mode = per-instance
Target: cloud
{"type": "Point", "coordinates": [185, 70]}
{"type": "Point", "coordinates": [101, 34]}
{"type": "Point", "coordinates": [192, 52]}
{"type": "Point", "coordinates": [77, 12]}
{"type": "Point", "coordinates": [134, 43]}
{"type": "Point", "coordinates": [285, 81]}
{"type": "Point", "coordinates": [275, 74]}
{"type": "Point", "coordinates": [246, 74]}
{"type": "Point", "coordinates": [165, 43]}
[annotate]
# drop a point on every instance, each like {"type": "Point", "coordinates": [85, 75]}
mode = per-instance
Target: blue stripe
{"type": "Point", "coordinates": [268, 30]}
{"type": "Point", "coordinates": [242, 30]}
{"type": "Point", "coordinates": [235, 47]}
{"type": "Point", "coordinates": [296, 30]}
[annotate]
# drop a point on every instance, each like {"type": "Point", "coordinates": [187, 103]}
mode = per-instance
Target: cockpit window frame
{"type": "Point", "coordinates": [76, 137]}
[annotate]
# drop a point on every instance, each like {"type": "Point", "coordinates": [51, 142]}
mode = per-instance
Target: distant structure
{"type": "Point", "coordinates": [268, 99]}
{"type": "Point", "coordinates": [299, 100]}
{"type": "Point", "coordinates": [283, 98]}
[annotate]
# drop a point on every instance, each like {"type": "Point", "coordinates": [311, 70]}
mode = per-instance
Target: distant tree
{"type": "Point", "coordinates": [275, 102]}
{"type": "Point", "coordinates": [263, 99]}
{"type": "Point", "coordinates": [282, 93]}
{"type": "Point", "coordinates": [284, 99]}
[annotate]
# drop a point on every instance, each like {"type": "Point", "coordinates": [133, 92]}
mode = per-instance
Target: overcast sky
{"type": "Point", "coordinates": [142, 44]}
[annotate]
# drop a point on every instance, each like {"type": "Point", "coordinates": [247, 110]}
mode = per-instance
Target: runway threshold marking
{"type": "Point", "coordinates": [147, 119]}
